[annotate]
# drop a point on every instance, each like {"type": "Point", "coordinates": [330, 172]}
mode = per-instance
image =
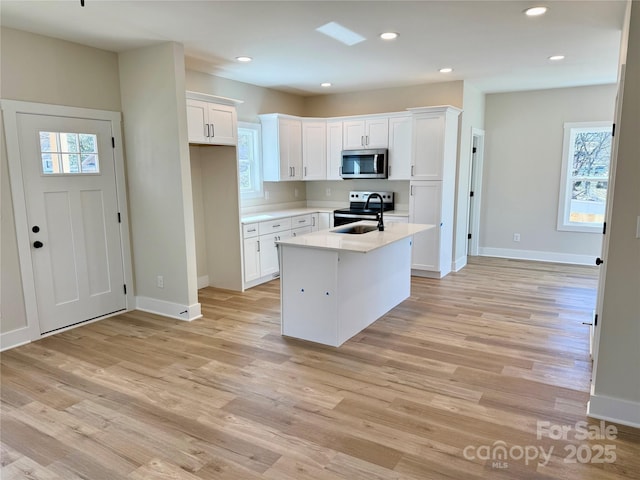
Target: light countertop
{"type": "Point", "coordinates": [360, 243]}
{"type": "Point", "coordinates": [292, 212]}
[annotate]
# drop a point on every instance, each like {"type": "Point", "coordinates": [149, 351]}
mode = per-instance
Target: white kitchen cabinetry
{"type": "Point", "coordinates": [435, 140]}
{"type": "Point", "coordinates": [325, 221]}
{"type": "Point", "coordinates": [432, 188]}
{"type": "Point", "coordinates": [269, 263]}
{"type": "Point", "coordinates": [400, 147]}
{"type": "Point", "coordinates": [251, 252]}
{"type": "Point", "coordinates": [281, 147]}
{"type": "Point", "coordinates": [334, 149]}
{"type": "Point", "coordinates": [365, 133]}
{"type": "Point", "coordinates": [211, 123]}
{"type": "Point", "coordinates": [314, 149]}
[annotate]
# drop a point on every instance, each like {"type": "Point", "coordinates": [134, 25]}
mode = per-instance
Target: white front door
{"type": "Point", "coordinates": [69, 178]}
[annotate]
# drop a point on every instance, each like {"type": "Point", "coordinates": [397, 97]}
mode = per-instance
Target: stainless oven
{"type": "Point", "coordinates": [356, 210]}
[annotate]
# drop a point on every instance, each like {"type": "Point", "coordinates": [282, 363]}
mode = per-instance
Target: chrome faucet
{"type": "Point", "coordinates": [379, 214]}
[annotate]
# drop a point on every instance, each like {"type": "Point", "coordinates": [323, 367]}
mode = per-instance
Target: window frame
{"type": "Point", "coordinates": [564, 200]}
{"type": "Point", "coordinates": [257, 190]}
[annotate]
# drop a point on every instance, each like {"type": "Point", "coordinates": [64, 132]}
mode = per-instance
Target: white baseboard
{"type": "Point", "coordinates": [537, 255]}
{"type": "Point", "coordinates": [459, 264]}
{"type": "Point", "coordinates": [203, 281]}
{"type": "Point", "coordinates": [169, 309]}
{"type": "Point", "coordinates": [614, 410]}
{"type": "Point", "coordinates": [15, 338]}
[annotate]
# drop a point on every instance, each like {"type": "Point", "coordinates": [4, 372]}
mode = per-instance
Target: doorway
{"type": "Point", "coordinates": [67, 183]}
{"type": "Point", "coordinates": [475, 190]}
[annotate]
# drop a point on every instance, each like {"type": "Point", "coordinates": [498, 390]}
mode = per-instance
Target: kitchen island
{"type": "Point", "coordinates": [335, 283]}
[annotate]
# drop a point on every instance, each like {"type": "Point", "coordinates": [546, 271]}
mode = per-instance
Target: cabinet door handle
{"type": "Point", "coordinates": [213, 131]}
{"type": "Point", "coordinates": [411, 191]}
{"type": "Point", "coordinates": [294, 171]}
{"type": "Point", "coordinates": [206, 134]}
{"type": "Point", "coordinates": [362, 141]}
{"type": "Point", "coordinates": [275, 226]}
{"type": "Point", "coordinates": [367, 138]}
{"type": "Point", "coordinates": [412, 170]}
{"type": "Point", "coordinates": [305, 171]}
{"type": "Point", "coordinates": [313, 221]}
{"type": "Point", "coordinates": [302, 221]}
{"type": "Point", "coordinates": [251, 230]}
{"type": "Point", "coordinates": [258, 242]}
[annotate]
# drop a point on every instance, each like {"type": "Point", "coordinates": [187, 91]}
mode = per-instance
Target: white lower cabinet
{"type": "Point", "coordinates": [269, 262]}
{"type": "Point", "coordinates": [260, 251]}
{"type": "Point", "coordinates": [251, 249]}
{"type": "Point", "coordinates": [432, 250]}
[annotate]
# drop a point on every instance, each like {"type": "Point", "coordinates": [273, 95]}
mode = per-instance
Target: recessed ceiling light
{"type": "Point", "coordinates": [388, 35]}
{"type": "Point", "coordinates": [446, 70]}
{"type": "Point", "coordinates": [535, 11]}
{"type": "Point", "coordinates": [325, 84]}
{"type": "Point", "coordinates": [244, 59]}
{"type": "Point", "coordinates": [555, 58]}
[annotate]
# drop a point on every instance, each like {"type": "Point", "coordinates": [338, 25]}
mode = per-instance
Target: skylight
{"type": "Point", "coordinates": [340, 33]}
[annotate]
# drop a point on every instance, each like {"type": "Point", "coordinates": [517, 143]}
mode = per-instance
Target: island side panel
{"type": "Point", "coordinates": [371, 284]}
{"type": "Point", "coordinates": [308, 283]}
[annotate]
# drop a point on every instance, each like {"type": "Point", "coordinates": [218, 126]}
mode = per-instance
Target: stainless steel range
{"type": "Point", "coordinates": [357, 210]}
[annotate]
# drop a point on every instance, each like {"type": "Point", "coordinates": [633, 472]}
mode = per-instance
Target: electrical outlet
{"type": "Point", "coordinates": [328, 192]}
{"type": "Point", "coordinates": [160, 281]}
{"type": "Point", "coordinates": [516, 237]}
{"type": "Point", "coordinates": [266, 194]}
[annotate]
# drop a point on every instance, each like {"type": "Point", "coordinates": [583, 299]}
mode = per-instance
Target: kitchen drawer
{"type": "Point", "coordinates": [301, 221]}
{"type": "Point", "coordinates": [250, 230]}
{"type": "Point", "coordinates": [296, 232]}
{"type": "Point", "coordinates": [273, 226]}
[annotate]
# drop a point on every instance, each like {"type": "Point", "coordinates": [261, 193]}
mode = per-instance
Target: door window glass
{"type": "Point", "coordinates": [69, 153]}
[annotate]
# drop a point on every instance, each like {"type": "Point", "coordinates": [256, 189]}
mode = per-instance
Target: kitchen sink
{"type": "Point", "coordinates": [356, 229]}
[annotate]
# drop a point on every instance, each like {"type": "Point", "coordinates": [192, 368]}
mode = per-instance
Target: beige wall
{"type": "Point", "coordinates": [522, 165]}
{"type": "Point", "coordinates": [384, 100]}
{"type": "Point", "coordinates": [472, 117]}
{"type": "Point", "coordinates": [159, 174]}
{"type": "Point", "coordinates": [40, 69]}
{"type": "Point", "coordinates": [256, 100]}
{"type": "Point", "coordinates": [616, 368]}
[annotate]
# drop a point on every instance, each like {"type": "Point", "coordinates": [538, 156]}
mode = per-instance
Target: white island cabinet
{"type": "Point", "coordinates": [333, 285]}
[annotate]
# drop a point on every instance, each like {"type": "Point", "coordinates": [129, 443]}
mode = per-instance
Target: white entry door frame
{"type": "Point", "coordinates": [12, 110]}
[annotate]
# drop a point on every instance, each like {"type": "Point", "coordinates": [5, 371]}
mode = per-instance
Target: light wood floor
{"type": "Point", "coordinates": [468, 362]}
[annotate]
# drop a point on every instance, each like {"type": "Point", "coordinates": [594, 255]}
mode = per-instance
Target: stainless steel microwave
{"type": "Point", "coordinates": [370, 163]}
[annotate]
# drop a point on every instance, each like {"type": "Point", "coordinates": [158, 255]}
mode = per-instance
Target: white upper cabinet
{"type": "Point", "coordinates": [281, 147]}
{"type": "Point", "coordinates": [366, 133]}
{"type": "Point", "coordinates": [334, 149]}
{"type": "Point", "coordinates": [314, 149]}
{"type": "Point", "coordinates": [434, 143]}
{"type": "Point", "coordinates": [211, 123]}
{"type": "Point", "coordinates": [400, 147]}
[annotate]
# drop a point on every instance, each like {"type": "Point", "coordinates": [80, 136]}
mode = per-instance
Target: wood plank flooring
{"type": "Point", "coordinates": [468, 364]}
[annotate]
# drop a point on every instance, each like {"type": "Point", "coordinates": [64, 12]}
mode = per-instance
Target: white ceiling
{"type": "Point", "coordinates": [491, 44]}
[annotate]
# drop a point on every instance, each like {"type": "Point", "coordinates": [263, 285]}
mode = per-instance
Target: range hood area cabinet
{"type": "Point", "coordinates": [211, 120]}
{"type": "Point", "coordinates": [372, 132]}
{"type": "Point", "coordinates": [432, 188]}
{"type": "Point", "coordinates": [281, 147]}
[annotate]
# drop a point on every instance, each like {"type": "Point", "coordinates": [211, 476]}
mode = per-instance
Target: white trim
{"type": "Point", "coordinates": [15, 338]}
{"type": "Point", "coordinates": [10, 111]}
{"type": "Point", "coordinates": [169, 309]}
{"type": "Point", "coordinates": [213, 98]}
{"type": "Point", "coordinates": [203, 281]}
{"type": "Point", "coordinates": [615, 410]}
{"type": "Point", "coordinates": [537, 255]}
{"type": "Point", "coordinates": [459, 264]}
{"type": "Point", "coordinates": [475, 183]}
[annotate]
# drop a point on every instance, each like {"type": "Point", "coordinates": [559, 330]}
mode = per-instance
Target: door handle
{"type": "Point", "coordinates": [599, 261]}
{"type": "Point", "coordinates": [213, 131]}
{"type": "Point", "coordinates": [38, 244]}
{"type": "Point", "coordinates": [207, 132]}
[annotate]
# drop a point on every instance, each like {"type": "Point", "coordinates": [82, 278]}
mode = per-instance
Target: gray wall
{"type": "Point", "coordinates": [522, 165]}
{"type": "Point", "coordinates": [45, 70]}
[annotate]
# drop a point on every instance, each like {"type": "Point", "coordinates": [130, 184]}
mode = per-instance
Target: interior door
{"type": "Point", "coordinates": [72, 211]}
